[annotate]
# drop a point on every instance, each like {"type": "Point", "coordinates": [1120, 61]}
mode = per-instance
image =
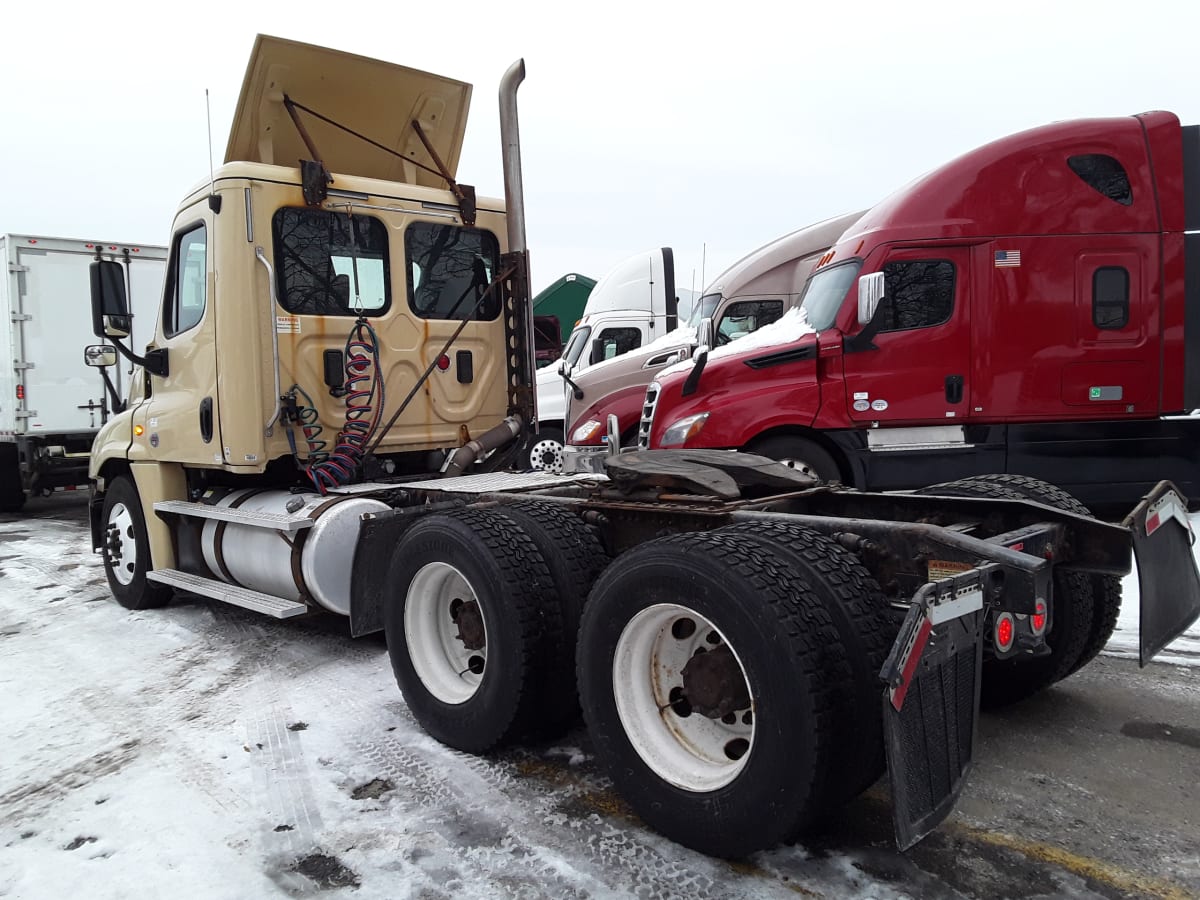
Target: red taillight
{"type": "Point", "coordinates": [1004, 632]}
{"type": "Point", "coordinates": [443, 362]}
{"type": "Point", "coordinates": [1038, 620]}
{"type": "Point", "coordinates": [20, 392]}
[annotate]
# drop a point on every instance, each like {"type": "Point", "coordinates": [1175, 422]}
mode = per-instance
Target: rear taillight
{"type": "Point", "coordinates": [1037, 622]}
{"type": "Point", "coordinates": [1004, 632]}
{"type": "Point", "coordinates": [20, 392]}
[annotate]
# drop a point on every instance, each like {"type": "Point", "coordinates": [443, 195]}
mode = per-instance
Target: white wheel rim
{"type": "Point", "coordinates": [691, 752]}
{"type": "Point", "coordinates": [800, 465]}
{"type": "Point", "coordinates": [449, 671]}
{"type": "Point", "coordinates": [546, 456]}
{"type": "Point", "coordinates": [122, 560]}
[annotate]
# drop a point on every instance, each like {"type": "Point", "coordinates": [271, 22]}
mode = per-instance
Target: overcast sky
{"type": "Point", "coordinates": [690, 125]}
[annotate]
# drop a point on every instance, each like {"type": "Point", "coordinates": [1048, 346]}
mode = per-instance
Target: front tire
{"type": "Point", "coordinates": [545, 453]}
{"type": "Point", "coordinates": [800, 454]}
{"type": "Point", "coordinates": [725, 755]}
{"type": "Point", "coordinates": [126, 548]}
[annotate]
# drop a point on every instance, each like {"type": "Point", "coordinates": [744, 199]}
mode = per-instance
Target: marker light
{"type": "Point", "coordinates": [443, 362]}
{"type": "Point", "coordinates": [20, 392]}
{"type": "Point", "coordinates": [138, 430]}
{"type": "Point", "coordinates": [587, 431]}
{"type": "Point", "coordinates": [1038, 620]}
{"type": "Point", "coordinates": [1004, 632]}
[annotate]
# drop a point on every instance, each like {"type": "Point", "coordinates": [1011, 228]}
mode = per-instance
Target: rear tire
{"type": "Point", "coordinates": [12, 492]}
{"type": "Point", "coordinates": [575, 558]}
{"type": "Point", "coordinates": [126, 548]}
{"type": "Point", "coordinates": [860, 614]}
{"type": "Point", "coordinates": [799, 453]}
{"type": "Point", "coordinates": [742, 774]}
{"type": "Point", "coordinates": [471, 628]}
{"type": "Point", "coordinates": [1007, 681]}
{"type": "Point", "coordinates": [1106, 589]}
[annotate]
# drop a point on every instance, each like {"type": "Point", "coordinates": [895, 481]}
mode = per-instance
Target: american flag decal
{"type": "Point", "coordinates": [1007, 258]}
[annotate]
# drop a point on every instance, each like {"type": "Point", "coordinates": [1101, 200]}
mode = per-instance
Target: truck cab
{"type": "Point", "coordinates": [1021, 309]}
{"type": "Point", "coordinates": [302, 301]}
{"type": "Point", "coordinates": [749, 295]}
{"type": "Point", "coordinates": [632, 306]}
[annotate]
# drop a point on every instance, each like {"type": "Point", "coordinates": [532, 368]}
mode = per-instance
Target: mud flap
{"type": "Point", "coordinates": [931, 704]}
{"type": "Point", "coordinates": [1167, 578]}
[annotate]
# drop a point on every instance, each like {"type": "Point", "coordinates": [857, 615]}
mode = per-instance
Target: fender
{"type": "Point", "coordinates": [745, 395]}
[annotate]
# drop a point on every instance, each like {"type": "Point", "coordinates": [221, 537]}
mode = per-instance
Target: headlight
{"type": "Point", "coordinates": [679, 433]}
{"type": "Point", "coordinates": [586, 432]}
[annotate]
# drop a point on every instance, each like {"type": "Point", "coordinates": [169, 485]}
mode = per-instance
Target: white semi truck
{"type": "Point", "coordinates": [342, 371]}
{"type": "Point", "coordinates": [51, 402]}
{"type": "Point", "coordinates": [633, 305]}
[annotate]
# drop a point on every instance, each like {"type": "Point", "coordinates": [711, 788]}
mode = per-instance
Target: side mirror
{"type": "Point", "coordinates": [870, 294]}
{"type": "Point", "coordinates": [110, 308]}
{"type": "Point", "coordinates": [705, 335]}
{"type": "Point", "coordinates": [99, 356]}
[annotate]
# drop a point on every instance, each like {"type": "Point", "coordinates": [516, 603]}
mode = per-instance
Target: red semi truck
{"type": "Point", "coordinates": [1032, 307]}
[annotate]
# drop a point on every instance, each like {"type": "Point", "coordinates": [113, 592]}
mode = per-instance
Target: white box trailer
{"type": "Point", "coordinates": [51, 402]}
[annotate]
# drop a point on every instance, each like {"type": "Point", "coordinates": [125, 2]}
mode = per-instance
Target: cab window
{"type": "Point", "coordinates": [449, 271]}
{"type": "Point", "coordinates": [330, 263]}
{"type": "Point", "coordinates": [747, 316]}
{"type": "Point", "coordinates": [187, 295]}
{"type": "Point", "coordinates": [613, 342]}
{"type": "Point", "coordinates": [917, 294]}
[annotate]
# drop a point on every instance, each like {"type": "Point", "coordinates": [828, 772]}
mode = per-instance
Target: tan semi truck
{"type": "Point", "coordinates": [340, 372]}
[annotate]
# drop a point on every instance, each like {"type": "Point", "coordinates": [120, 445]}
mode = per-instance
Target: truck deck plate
{"type": "Point", "coordinates": [278, 521]}
{"type": "Point", "coordinates": [276, 607]}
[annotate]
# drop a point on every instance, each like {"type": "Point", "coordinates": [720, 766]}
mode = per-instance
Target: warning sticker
{"type": "Point", "coordinates": [940, 569]}
{"type": "Point", "coordinates": [287, 324]}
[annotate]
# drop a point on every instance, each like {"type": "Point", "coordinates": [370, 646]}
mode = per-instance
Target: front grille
{"type": "Point", "coordinates": [647, 416]}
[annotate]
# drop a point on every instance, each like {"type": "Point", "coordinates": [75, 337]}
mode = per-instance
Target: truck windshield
{"type": "Point", "coordinates": [825, 291]}
{"type": "Point", "coordinates": [576, 343]}
{"type": "Point", "coordinates": [704, 309]}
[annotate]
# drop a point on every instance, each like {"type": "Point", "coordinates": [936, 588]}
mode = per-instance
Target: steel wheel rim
{"type": "Point", "coordinates": [690, 752]}
{"type": "Point", "coordinates": [801, 466]}
{"type": "Point", "coordinates": [120, 546]}
{"type": "Point", "coordinates": [546, 456]}
{"type": "Point", "coordinates": [447, 668]}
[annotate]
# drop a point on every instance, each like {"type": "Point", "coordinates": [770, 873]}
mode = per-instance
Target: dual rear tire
{"type": "Point", "coordinates": [1084, 608]}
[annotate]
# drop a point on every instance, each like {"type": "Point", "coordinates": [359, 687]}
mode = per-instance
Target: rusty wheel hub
{"type": "Point", "coordinates": [469, 619]}
{"type": "Point", "coordinates": [713, 683]}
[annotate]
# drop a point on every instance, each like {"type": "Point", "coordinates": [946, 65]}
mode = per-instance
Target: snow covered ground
{"type": "Point", "coordinates": [204, 752]}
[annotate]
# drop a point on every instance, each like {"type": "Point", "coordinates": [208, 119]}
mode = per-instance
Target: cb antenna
{"type": "Point", "coordinates": [214, 202]}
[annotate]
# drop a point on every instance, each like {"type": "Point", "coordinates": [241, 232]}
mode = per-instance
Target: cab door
{"type": "Point", "coordinates": [181, 418]}
{"type": "Point", "coordinates": [915, 371]}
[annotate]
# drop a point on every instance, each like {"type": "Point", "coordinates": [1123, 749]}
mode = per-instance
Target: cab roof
{"type": "Point", "coordinates": [377, 99]}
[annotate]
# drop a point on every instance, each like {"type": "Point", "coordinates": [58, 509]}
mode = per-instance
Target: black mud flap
{"type": "Point", "coordinates": [1167, 578]}
{"type": "Point", "coordinates": [931, 704]}
{"type": "Point", "coordinates": [378, 535]}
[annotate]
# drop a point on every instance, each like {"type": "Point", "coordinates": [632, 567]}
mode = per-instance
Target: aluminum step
{"type": "Point", "coordinates": [276, 607]}
{"type": "Point", "coordinates": [278, 521]}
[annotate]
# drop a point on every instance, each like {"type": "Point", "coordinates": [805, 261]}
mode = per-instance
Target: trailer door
{"type": "Point", "coordinates": [917, 371]}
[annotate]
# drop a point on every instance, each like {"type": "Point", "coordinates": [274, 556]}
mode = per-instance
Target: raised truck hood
{"type": "Point", "coordinates": [377, 99]}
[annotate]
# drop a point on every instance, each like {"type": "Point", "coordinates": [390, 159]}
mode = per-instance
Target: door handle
{"type": "Point", "coordinates": [954, 388]}
{"type": "Point", "coordinates": [206, 420]}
